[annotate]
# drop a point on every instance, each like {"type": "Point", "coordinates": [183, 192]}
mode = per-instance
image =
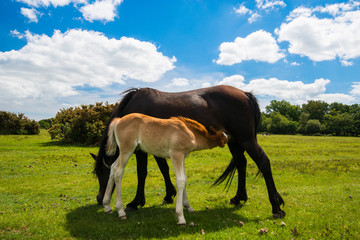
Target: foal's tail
{"type": "Point", "coordinates": [111, 141]}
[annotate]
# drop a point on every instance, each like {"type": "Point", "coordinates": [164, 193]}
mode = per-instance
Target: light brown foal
{"type": "Point", "coordinates": [172, 138]}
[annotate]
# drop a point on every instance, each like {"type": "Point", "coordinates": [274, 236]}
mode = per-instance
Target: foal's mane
{"type": "Point", "coordinates": [194, 125]}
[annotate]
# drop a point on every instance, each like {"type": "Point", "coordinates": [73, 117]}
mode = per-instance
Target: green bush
{"type": "Point", "coordinates": [45, 123]}
{"type": "Point", "coordinates": [81, 125]}
{"type": "Point", "coordinates": [11, 123]}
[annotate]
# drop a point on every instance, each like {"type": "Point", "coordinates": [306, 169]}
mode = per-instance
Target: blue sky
{"type": "Point", "coordinates": [56, 54]}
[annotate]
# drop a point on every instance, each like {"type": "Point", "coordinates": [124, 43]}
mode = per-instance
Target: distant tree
{"type": "Point", "coordinates": [355, 113]}
{"type": "Point", "coordinates": [316, 109]}
{"type": "Point", "coordinates": [45, 123]}
{"type": "Point", "coordinates": [313, 126]}
{"type": "Point", "coordinates": [336, 108]}
{"type": "Point", "coordinates": [265, 121]}
{"type": "Point", "coordinates": [339, 124]}
{"type": "Point", "coordinates": [292, 112]}
{"type": "Point", "coordinates": [304, 118]}
{"type": "Point", "coordinates": [279, 124]}
{"type": "Point", "coordinates": [11, 123]}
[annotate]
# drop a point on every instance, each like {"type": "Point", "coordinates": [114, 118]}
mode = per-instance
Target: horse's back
{"type": "Point", "coordinates": [222, 106]}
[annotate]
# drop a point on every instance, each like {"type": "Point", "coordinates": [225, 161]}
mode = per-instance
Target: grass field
{"type": "Point", "coordinates": [47, 191]}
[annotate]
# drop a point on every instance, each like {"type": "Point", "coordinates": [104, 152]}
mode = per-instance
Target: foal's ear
{"type": "Point", "coordinates": [94, 156]}
{"type": "Point", "coordinates": [212, 130]}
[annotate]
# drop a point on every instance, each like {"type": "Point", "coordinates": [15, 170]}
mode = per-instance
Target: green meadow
{"type": "Point", "coordinates": [48, 191]}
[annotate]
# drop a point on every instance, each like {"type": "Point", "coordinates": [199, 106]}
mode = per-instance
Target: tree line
{"type": "Point", "coordinates": [85, 124]}
{"type": "Point", "coordinates": [312, 118]}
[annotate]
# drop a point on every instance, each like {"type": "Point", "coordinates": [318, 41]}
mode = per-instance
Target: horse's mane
{"type": "Point", "coordinates": [193, 124]}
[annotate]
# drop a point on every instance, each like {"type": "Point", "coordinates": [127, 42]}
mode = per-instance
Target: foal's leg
{"type": "Point", "coordinates": [263, 163]}
{"type": "Point", "coordinates": [237, 151]}
{"type": "Point", "coordinates": [141, 164]}
{"type": "Point", "coordinates": [109, 189]}
{"type": "Point", "coordinates": [118, 175]}
{"type": "Point", "coordinates": [170, 188]}
{"type": "Point", "coordinates": [186, 202]}
{"type": "Point", "coordinates": [179, 167]}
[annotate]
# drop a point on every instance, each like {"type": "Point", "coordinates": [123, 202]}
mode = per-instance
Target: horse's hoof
{"type": "Point", "coordinates": [108, 212]}
{"type": "Point", "coordinates": [122, 217]}
{"type": "Point", "coordinates": [279, 214]}
{"type": "Point", "coordinates": [235, 202]}
{"type": "Point", "coordinates": [168, 200]}
{"type": "Point", "coordinates": [130, 209]}
{"type": "Point", "coordinates": [181, 223]}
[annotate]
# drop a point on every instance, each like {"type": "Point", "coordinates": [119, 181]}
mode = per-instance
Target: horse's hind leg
{"type": "Point", "coordinates": [170, 188]}
{"type": "Point", "coordinates": [263, 163]}
{"type": "Point", "coordinates": [237, 151]}
{"type": "Point", "coordinates": [141, 163]}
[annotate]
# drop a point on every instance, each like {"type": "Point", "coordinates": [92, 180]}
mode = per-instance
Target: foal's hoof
{"type": "Point", "coordinates": [279, 214]}
{"type": "Point", "coordinates": [122, 217]}
{"type": "Point", "coordinates": [108, 211]}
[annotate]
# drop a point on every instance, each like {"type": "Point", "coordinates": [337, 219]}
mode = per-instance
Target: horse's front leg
{"type": "Point", "coordinates": [139, 200]}
{"type": "Point", "coordinates": [237, 151]}
{"type": "Point", "coordinates": [170, 188]}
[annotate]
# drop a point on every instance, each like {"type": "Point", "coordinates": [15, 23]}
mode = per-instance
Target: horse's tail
{"type": "Point", "coordinates": [111, 140]}
{"type": "Point", "coordinates": [231, 168]}
{"type": "Point", "coordinates": [253, 103]}
{"type": "Point", "coordinates": [117, 112]}
{"type": "Point", "coordinates": [229, 171]}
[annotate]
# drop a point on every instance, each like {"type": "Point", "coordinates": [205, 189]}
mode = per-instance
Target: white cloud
{"type": "Point", "coordinates": [266, 4]}
{"type": "Point", "coordinates": [242, 10]}
{"type": "Point", "coordinates": [55, 66]}
{"type": "Point", "coordinates": [254, 17]}
{"type": "Point", "coordinates": [324, 38]}
{"type": "Point", "coordinates": [98, 10]}
{"type": "Point", "coordinates": [356, 89]}
{"type": "Point", "coordinates": [179, 82]}
{"type": "Point", "coordinates": [258, 46]}
{"type": "Point", "coordinates": [103, 10]}
{"type": "Point", "coordinates": [295, 64]}
{"type": "Point", "coordinates": [30, 13]}
{"type": "Point", "coordinates": [295, 92]}
{"type": "Point", "coordinates": [47, 3]}
{"type": "Point", "coordinates": [234, 80]}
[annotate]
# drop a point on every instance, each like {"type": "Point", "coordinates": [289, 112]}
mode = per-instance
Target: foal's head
{"type": "Point", "coordinates": [218, 136]}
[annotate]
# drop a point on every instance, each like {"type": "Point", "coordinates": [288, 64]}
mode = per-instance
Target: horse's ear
{"type": "Point", "coordinates": [94, 156]}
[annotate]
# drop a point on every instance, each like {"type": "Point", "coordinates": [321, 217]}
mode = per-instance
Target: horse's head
{"type": "Point", "coordinates": [218, 136]}
{"type": "Point", "coordinates": [102, 172]}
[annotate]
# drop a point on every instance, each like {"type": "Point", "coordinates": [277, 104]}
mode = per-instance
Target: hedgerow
{"type": "Point", "coordinates": [12, 123]}
{"type": "Point", "coordinates": [81, 125]}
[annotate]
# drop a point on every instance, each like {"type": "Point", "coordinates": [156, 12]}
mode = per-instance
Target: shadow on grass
{"type": "Point", "coordinates": [58, 143]}
{"type": "Point", "coordinates": [159, 221]}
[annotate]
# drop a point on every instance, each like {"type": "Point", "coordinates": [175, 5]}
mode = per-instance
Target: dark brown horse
{"type": "Point", "coordinates": [223, 107]}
